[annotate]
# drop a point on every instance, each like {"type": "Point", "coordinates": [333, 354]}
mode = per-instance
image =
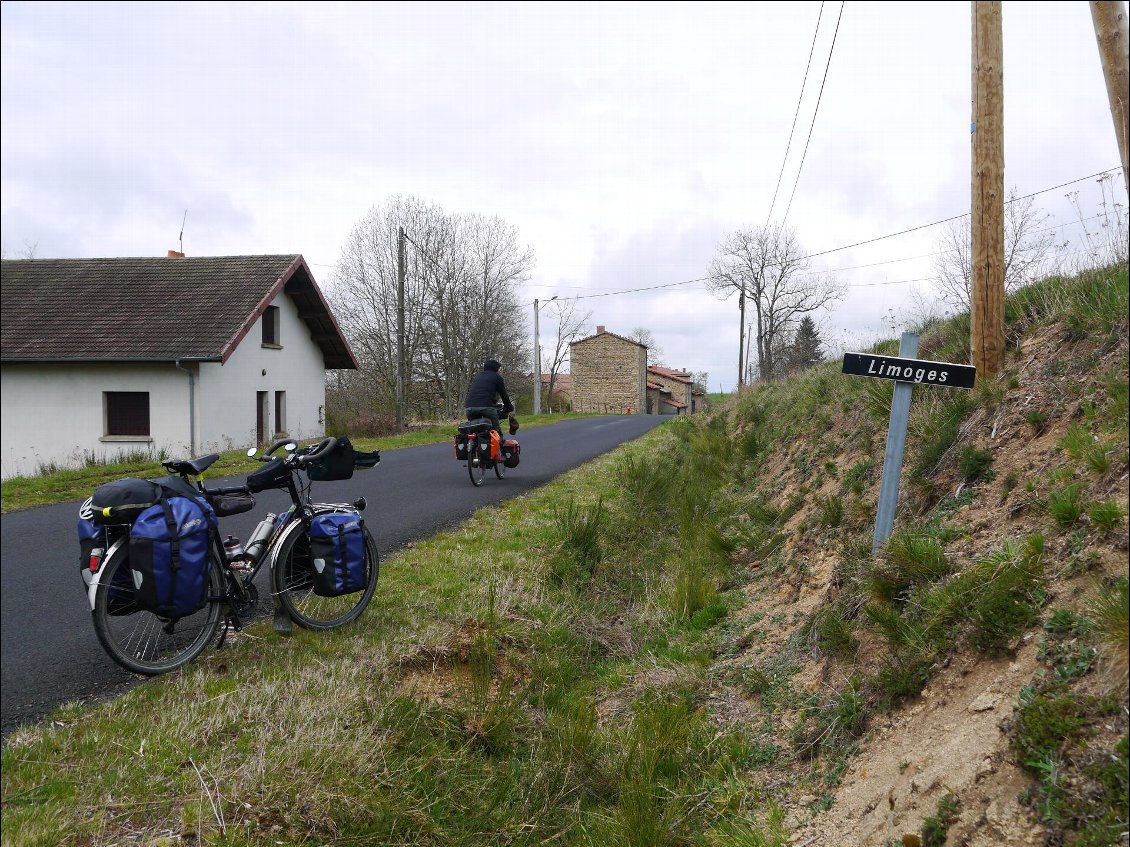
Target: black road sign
{"type": "Point", "coordinates": [915, 371]}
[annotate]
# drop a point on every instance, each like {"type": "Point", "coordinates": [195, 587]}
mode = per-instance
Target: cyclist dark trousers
{"type": "Point", "coordinates": [487, 412]}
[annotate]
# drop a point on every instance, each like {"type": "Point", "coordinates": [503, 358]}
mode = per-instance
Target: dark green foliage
{"type": "Point", "coordinates": [1037, 420]}
{"type": "Point", "coordinates": [909, 558]}
{"type": "Point", "coordinates": [580, 552]}
{"type": "Point", "coordinates": [935, 827]}
{"type": "Point", "coordinates": [974, 464]}
{"type": "Point", "coordinates": [936, 431]}
{"type": "Point", "coordinates": [1066, 504]}
{"type": "Point", "coordinates": [805, 350]}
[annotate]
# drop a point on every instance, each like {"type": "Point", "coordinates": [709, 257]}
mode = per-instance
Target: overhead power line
{"type": "Point", "coordinates": [815, 111]}
{"type": "Point", "coordinates": [800, 98]}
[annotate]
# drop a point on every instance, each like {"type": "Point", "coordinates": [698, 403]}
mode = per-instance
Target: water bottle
{"type": "Point", "coordinates": [257, 542]}
{"type": "Point", "coordinates": [233, 549]}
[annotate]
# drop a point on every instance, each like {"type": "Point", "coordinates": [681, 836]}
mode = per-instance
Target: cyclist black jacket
{"type": "Point", "coordinates": [485, 386]}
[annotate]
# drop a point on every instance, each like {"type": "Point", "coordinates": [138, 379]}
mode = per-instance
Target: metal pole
{"type": "Point", "coordinates": [537, 364]}
{"type": "Point", "coordinates": [896, 443]}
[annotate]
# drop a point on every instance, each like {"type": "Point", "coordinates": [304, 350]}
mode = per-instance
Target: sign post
{"type": "Point", "coordinates": [907, 372]}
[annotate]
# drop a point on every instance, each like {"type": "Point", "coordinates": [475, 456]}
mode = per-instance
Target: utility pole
{"type": "Point", "coordinates": [987, 225]}
{"type": "Point", "coordinates": [537, 358]}
{"type": "Point", "coordinates": [537, 363]}
{"type": "Point", "coordinates": [741, 337]}
{"type": "Point", "coordinates": [400, 367]}
{"type": "Point", "coordinates": [1109, 17]}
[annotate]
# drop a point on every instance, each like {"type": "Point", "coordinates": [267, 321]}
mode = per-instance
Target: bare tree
{"type": "Point", "coordinates": [462, 274]}
{"type": "Point", "coordinates": [570, 327]}
{"type": "Point", "coordinates": [1026, 245]}
{"type": "Point", "coordinates": [644, 336]}
{"type": "Point", "coordinates": [768, 266]}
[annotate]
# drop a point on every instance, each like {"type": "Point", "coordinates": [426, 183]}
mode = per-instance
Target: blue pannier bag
{"type": "Point", "coordinates": [337, 553]}
{"type": "Point", "coordinates": [170, 554]}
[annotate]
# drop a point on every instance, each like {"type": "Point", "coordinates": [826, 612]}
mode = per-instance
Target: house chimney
{"type": "Point", "coordinates": [174, 254]}
{"type": "Point", "coordinates": [599, 329]}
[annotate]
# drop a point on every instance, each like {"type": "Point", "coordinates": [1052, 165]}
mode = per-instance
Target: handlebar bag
{"type": "Point", "coordinates": [337, 553]}
{"type": "Point", "coordinates": [121, 501]}
{"type": "Point", "coordinates": [510, 452]}
{"type": "Point", "coordinates": [336, 465]}
{"type": "Point", "coordinates": [274, 474]}
{"type": "Point", "coordinates": [170, 554]}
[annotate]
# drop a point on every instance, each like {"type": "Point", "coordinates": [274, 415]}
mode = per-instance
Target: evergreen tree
{"type": "Point", "coordinates": [805, 350]}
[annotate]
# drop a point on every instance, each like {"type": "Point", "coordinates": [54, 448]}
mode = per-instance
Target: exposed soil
{"type": "Point", "coordinates": [953, 738]}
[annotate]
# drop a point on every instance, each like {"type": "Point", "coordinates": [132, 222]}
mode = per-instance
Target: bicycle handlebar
{"type": "Point", "coordinates": [324, 446]}
{"type": "Point", "coordinates": [282, 442]}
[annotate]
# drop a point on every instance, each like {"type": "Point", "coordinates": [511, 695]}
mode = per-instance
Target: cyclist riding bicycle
{"type": "Point", "coordinates": [481, 396]}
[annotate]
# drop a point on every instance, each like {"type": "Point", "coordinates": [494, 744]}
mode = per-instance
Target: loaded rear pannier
{"type": "Point", "coordinates": [170, 556]}
{"type": "Point", "coordinates": [510, 452]}
{"type": "Point", "coordinates": [337, 553]}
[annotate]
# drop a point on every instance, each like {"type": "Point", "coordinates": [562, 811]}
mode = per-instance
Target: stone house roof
{"type": "Point", "coordinates": [601, 331]}
{"type": "Point", "coordinates": [154, 309]}
{"type": "Point", "coordinates": [669, 373]}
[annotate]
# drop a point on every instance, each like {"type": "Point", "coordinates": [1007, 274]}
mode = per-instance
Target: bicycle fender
{"type": "Point", "coordinates": [292, 526]}
{"type": "Point", "coordinates": [115, 548]}
{"type": "Point", "coordinates": [297, 525]}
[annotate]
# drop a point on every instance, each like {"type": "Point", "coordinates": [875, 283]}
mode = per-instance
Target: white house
{"type": "Point", "coordinates": [175, 356]}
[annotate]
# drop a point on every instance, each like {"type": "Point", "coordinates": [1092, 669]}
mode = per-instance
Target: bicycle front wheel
{"type": "Point", "coordinates": [294, 586]}
{"type": "Point", "coordinates": [141, 641]}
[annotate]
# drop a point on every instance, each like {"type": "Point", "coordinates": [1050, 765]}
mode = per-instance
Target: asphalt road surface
{"type": "Point", "coordinates": [49, 652]}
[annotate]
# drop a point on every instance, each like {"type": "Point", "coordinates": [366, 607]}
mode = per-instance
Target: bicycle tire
{"type": "Point", "coordinates": [141, 641]}
{"type": "Point", "coordinates": [294, 587]}
{"type": "Point", "coordinates": [477, 469]}
{"type": "Point", "coordinates": [499, 469]}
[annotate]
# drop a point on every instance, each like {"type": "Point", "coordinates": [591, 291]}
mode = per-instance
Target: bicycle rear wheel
{"type": "Point", "coordinates": [476, 468]}
{"type": "Point", "coordinates": [499, 469]}
{"type": "Point", "coordinates": [294, 585]}
{"type": "Point", "coordinates": [141, 641]}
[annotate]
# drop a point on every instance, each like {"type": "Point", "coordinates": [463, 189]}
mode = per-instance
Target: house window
{"type": "Point", "coordinates": [127, 412]}
{"type": "Point", "coordinates": [280, 412]}
{"type": "Point", "coordinates": [271, 326]}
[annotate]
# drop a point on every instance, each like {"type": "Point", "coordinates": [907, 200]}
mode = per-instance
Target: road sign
{"type": "Point", "coordinates": [916, 371]}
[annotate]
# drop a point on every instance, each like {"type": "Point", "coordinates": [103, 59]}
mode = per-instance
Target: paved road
{"type": "Point", "coordinates": [50, 654]}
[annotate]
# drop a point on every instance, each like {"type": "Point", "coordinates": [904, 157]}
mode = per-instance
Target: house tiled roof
{"type": "Point", "coordinates": [603, 331]}
{"type": "Point", "coordinates": [153, 309]}
{"type": "Point", "coordinates": [669, 373]}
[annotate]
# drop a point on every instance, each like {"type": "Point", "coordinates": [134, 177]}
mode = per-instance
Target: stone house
{"type": "Point", "coordinates": [672, 392]}
{"type": "Point", "coordinates": [608, 374]}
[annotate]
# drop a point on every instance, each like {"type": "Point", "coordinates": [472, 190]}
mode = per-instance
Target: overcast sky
{"type": "Point", "coordinates": [623, 141]}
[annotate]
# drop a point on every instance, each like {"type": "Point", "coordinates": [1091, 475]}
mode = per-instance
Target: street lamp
{"type": "Point", "coordinates": [537, 359]}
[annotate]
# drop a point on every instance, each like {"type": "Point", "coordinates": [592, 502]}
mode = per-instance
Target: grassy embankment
{"type": "Point", "coordinates": [568, 670]}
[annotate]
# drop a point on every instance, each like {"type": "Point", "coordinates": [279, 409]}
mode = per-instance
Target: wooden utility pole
{"type": "Point", "coordinates": [987, 225]}
{"type": "Point", "coordinates": [400, 367]}
{"type": "Point", "coordinates": [1109, 17]}
{"type": "Point", "coordinates": [741, 338]}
